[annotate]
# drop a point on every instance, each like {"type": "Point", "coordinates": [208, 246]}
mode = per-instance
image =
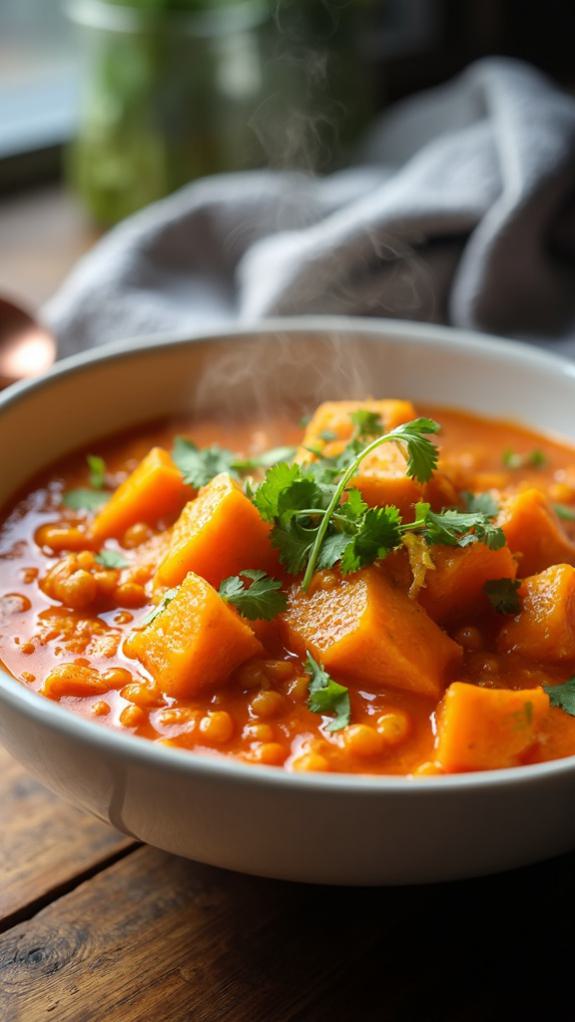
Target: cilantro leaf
{"type": "Point", "coordinates": [566, 513]}
{"type": "Point", "coordinates": [562, 696]}
{"type": "Point", "coordinates": [503, 595]}
{"type": "Point", "coordinates": [533, 459]}
{"type": "Point", "coordinates": [422, 454]}
{"type": "Point", "coordinates": [328, 436]}
{"type": "Point", "coordinates": [97, 467]}
{"type": "Point", "coordinates": [483, 503]}
{"type": "Point", "coordinates": [199, 466]}
{"type": "Point", "coordinates": [367, 424]}
{"type": "Point", "coordinates": [293, 543]}
{"type": "Point", "coordinates": [462, 528]}
{"type": "Point", "coordinates": [377, 534]}
{"type": "Point", "coordinates": [333, 549]}
{"type": "Point", "coordinates": [266, 459]}
{"type": "Point", "coordinates": [111, 559]}
{"type": "Point", "coordinates": [354, 506]}
{"type": "Point", "coordinates": [326, 696]}
{"type": "Point", "coordinates": [275, 488]}
{"type": "Point", "coordinates": [84, 499]}
{"type": "Point", "coordinates": [161, 606]}
{"type": "Point", "coordinates": [261, 600]}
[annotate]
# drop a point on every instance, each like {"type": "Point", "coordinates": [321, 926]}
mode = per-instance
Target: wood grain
{"type": "Point", "coordinates": [44, 843]}
{"type": "Point", "coordinates": [161, 939]}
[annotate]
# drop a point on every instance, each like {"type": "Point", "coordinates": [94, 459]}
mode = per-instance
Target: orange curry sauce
{"type": "Point", "coordinates": [261, 714]}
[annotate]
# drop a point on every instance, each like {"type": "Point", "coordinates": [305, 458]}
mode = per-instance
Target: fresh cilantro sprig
{"type": "Point", "coordinates": [562, 696]}
{"type": "Point", "coordinates": [84, 499]}
{"type": "Point", "coordinates": [484, 503]}
{"type": "Point", "coordinates": [458, 528]}
{"type": "Point", "coordinates": [93, 498]}
{"type": "Point", "coordinates": [503, 595]}
{"type": "Point", "coordinates": [421, 456]}
{"type": "Point", "coordinates": [160, 607]}
{"type": "Point", "coordinates": [111, 559]}
{"type": "Point", "coordinates": [565, 512]}
{"type": "Point", "coordinates": [97, 468]}
{"type": "Point", "coordinates": [199, 465]}
{"type": "Point", "coordinates": [326, 696]}
{"type": "Point", "coordinates": [533, 459]}
{"type": "Point", "coordinates": [367, 424]}
{"type": "Point", "coordinates": [318, 522]}
{"type": "Point", "coordinates": [261, 599]}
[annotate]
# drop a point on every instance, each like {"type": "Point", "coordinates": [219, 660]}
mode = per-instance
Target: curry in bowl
{"type": "Point", "coordinates": [382, 589]}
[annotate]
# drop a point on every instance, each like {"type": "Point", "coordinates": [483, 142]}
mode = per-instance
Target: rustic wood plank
{"type": "Point", "coordinates": [44, 843]}
{"type": "Point", "coordinates": [155, 937]}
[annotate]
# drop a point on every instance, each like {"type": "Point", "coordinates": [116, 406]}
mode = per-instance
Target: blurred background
{"type": "Point", "coordinates": [106, 106]}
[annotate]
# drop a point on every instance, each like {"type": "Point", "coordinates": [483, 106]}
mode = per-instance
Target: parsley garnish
{"type": "Point", "coordinates": [328, 436]}
{"type": "Point", "coordinates": [565, 512]}
{"type": "Point", "coordinates": [199, 466]}
{"type": "Point", "coordinates": [261, 600]}
{"type": "Point", "coordinates": [111, 559]}
{"type": "Point", "coordinates": [533, 459]}
{"type": "Point", "coordinates": [161, 606]}
{"type": "Point", "coordinates": [562, 696]}
{"type": "Point", "coordinates": [503, 595]}
{"type": "Point", "coordinates": [326, 696]}
{"type": "Point", "coordinates": [97, 467]}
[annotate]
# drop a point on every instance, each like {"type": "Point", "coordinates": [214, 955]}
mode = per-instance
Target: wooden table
{"type": "Point", "coordinates": [94, 927]}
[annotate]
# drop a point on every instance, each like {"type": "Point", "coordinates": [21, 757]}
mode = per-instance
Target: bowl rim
{"type": "Point", "coordinates": [142, 751]}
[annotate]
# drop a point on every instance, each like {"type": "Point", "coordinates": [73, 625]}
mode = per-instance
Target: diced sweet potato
{"type": "Point", "coordinates": [153, 491]}
{"type": "Point", "coordinates": [218, 534]}
{"type": "Point", "coordinates": [365, 628]}
{"type": "Point", "coordinates": [535, 533]}
{"type": "Point", "coordinates": [454, 589]}
{"type": "Point", "coordinates": [382, 478]}
{"type": "Point", "coordinates": [331, 427]}
{"type": "Point", "coordinates": [485, 728]}
{"type": "Point", "coordinates": [195, 642]}
{"type": "Point", "coordinates": [545, 628]}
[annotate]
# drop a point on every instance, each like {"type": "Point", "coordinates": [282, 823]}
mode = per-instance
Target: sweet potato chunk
{"type": "Point", "coordinates": [545, 628]}
{"type": "Point", "coordinates": [485, 728]}
{"type": "Point", "coordinates": [382, 478]}
{"type": "Point", "coordinates": [535, 533]}
{"type": "Point", "coordinates": [454, 589]}
{"type": "Point", "coordinates": [330, 427]}
{"type": "Point", "coordinates": [367, 629]}
{"type": "Point", "coordinates": [217, 535]}
{"type": "Point", "coordinates": [154, 490]}
{"type": "Point", "coordinates": [195, 642]}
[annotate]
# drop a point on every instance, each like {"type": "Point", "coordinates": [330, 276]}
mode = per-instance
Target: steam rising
{"type": "Point", "coordinates": [282, 373]}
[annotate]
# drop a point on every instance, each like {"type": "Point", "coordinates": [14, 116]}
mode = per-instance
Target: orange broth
{"type": "Point", "coordinates": [38, 633]}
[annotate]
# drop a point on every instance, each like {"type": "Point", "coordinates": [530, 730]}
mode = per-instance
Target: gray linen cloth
{"type": "Point", "coordinates": [461, 210]}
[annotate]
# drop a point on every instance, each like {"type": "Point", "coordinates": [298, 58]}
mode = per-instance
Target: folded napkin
{"type": "Point", "coordinates": [461, 210]}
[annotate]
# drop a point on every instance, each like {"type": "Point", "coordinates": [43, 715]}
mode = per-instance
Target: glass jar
{"type": "Point", "coordinates": [173, 95]}
{"type": "Point", "coordinates": [166, 98]}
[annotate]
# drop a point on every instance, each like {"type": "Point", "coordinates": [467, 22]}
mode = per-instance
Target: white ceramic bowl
{"type": "Point", "coordinates": [330, 829]}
